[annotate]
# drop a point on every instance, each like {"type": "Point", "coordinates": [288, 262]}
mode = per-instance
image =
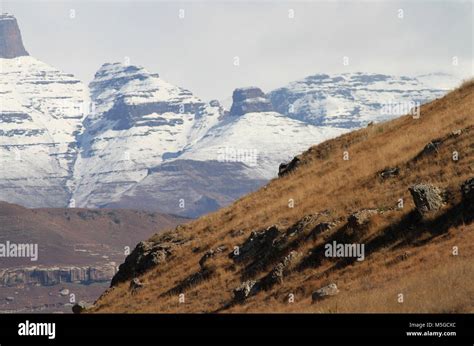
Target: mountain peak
{"type": "Point", "coordinates": [248, 100]}
{"type": "Point", "coordinates": [119, 70]}
{"type": "Point", "coordinates": [11, 44]}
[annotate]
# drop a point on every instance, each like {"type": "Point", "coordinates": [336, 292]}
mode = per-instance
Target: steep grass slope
{"type": "Point", "coordinates": [412, 263]}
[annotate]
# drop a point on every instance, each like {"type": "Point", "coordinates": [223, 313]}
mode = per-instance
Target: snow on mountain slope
{"type": "Point", "coordinates": [41, 113]}
{"type": "Point", "coordinates": [236, 156]}
{"type": "Point", "coordinates": [260, 140]}
{"type": "Point", "coordinates": [138, 122]}
{"type": "Point", "coordinates": [353, 99]}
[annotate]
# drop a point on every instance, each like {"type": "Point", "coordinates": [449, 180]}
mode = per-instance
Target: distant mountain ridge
{"type": "Point", "coordinates": [354, 99]}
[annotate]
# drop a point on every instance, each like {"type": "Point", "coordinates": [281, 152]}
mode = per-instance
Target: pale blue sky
{"type": "Point", "coordinates": [197, 52]}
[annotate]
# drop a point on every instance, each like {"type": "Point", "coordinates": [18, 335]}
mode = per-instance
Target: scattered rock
{"type": "Point", "coordinates": [321, 228]}
{"type": "Point", "coordinates": [10, 299]}
{"type": "Point", "coordinates": [257, 243]}
{"type": "Point", "coordinates": [456, 133]}
{"type": "Point", "coordinates": [389, 172]}
{"type": "Point", "coordinates": [205, 257]}
{"type": "Point", "coordinates": [135, 285]}
{"type": "Point", "coordinates": [81, 307]}
{"type": "Point", "coordinates": [64, 292]}
{"type": "Point", "coordinates": [427, 198]}
{"type": "Point", "coordinates": [276, 275]}
{"type": "Point", "coordinates": [361, 217]}
{"type": "Point", "coordinates": [430, 148]}
{"type": "Point", "coordinates": [370, 124]}
{"type": "Point", "coordinates": [244, 290]}
{"type": "Point", "coordinates": [324, 292]}
{"type": "Point", "coordinates": [286, 168]}
{"type": "Point", "coordinates": [302, 224]}
{"type": "Point", "coordinates": [210, 254]}
{"type": "Point", "coordinates": [145, 256]}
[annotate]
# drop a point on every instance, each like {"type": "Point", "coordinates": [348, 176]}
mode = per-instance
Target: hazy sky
{"type": "Point", "coordinates": [197, 52]}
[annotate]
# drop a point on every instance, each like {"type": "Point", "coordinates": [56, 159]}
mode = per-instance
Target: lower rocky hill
{"type": "Point", "coordinates": [47, 251]}
{"type": "Point", "coordinates": [376, 220]}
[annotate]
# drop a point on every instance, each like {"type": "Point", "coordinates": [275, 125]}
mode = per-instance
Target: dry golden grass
{"type": "Point", "coordinates": [431, 278]}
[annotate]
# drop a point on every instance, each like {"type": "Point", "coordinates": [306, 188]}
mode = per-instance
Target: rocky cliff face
{"type": "Point", "coordinates": [48, 276]}
{"type": "Point", "coordinates": [11, 44]}
{"type": "Point", "coordinates": [249, 100]}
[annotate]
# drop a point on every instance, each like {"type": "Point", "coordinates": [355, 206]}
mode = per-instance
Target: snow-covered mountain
{"type": "Point", "coordinates": [133, 140]}
{"type": "Point", "coordinates": [237, 155]}
{"type": "Point", "coordinates": [352, 100]}
{"type": "Point", "coordinates": [138, 122]}
{"type": "Point", "coordinates": [41, 113]}
{"type": "Point", "coordinates": [260, 137]}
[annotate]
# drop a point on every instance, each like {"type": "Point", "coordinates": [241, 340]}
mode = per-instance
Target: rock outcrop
{"type": "Point", "coordinates": [244, 290]}
{"type": "Point", "coordinates": [302, 225]}
{"type": "Point", "coordinates": [204, 261]}
{"type": "Point", "coordinates": [49, 276]}
{"type": "Point", "coordinates": [321, 228]}
{"type": "Point", "coordinates": [249, 100]}
{"type": "Point", "coordinates": [361, 218]}
{"type": "Point", "coordinates": [277, 274]}
{"type": "Point", "coordinates": [389, 173]}
{"type": "Point", "coordinates": [259, 242]}
{"type": "Point", "coordinates": [146, 255]}
{"type": "Point", "coordinates": [80, 307]}
{"type": "Point", "coordinates": [286, 168]}
{"type": "Point", "coordinates": [11, 44]}
{"type": "Point", "coordinates": [430, 148]}
{"type": "Point", "coordinates": [325, 292]}
{"type": "Point", "coordinates": [427, 198]}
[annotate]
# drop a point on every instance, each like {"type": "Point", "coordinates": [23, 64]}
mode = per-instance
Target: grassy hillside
{"type": "Point", "coordinates": [404, 253]}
